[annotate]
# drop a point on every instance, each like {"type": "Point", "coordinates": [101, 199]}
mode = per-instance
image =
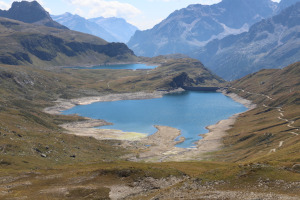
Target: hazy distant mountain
{"type": "Point", "coordinates": [271, 43]}
{"type": "Point", "coordinates": [30, 12]}
{"type": "Point", "coordinates": [111, 29]}
{"type": "Point", "coordinates": [77, 23]}
{"type": "Point", "coordinates": [196, 25]}
{"type": "Point", "coordinates": [117, 27]}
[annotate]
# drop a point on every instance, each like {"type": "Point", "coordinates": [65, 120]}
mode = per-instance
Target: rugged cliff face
{"type": "Point", "coordinates": [182, 81]}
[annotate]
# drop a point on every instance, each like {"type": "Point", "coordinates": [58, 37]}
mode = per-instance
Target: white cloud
{"type": "Point", "coordinates": [96, 8]}
{"type": "Point", "coordinates": [4, 6]}
{"type": "Point", "coordinates": [144, 23]}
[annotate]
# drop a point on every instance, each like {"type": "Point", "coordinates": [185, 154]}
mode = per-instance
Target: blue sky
{"type": "Point", "coordinates": [142, 13]}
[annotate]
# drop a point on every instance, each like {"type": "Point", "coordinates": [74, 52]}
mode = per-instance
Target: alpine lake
{"type": "Point", "coordinates": [190, 111]}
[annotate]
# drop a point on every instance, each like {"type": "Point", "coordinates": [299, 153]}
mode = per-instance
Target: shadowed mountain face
{"type": "Point", "coordinates": [111, 29]}
{"type": "Point", "coordinates": [271, 43]}
{"type": "Point", "coordinates": [194, 26]}
{"type": "Point", "coordinates": [30, 12]}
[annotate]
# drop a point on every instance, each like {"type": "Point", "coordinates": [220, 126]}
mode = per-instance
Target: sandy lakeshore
{"type": "Point", "coordinates": [154, 148]}
{"type": "Point", "coordinates": [87, 129]}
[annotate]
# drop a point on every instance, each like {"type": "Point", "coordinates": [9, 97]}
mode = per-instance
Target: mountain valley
{"type": "Point", "coordinates": [251, 155]}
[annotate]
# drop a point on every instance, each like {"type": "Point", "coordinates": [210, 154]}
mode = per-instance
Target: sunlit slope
{"type": "Point", "coordinates": [270, 132]}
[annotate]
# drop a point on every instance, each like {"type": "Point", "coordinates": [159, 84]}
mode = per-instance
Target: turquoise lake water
{"type": "Point", "coordinates": [119, 66]}
{"type": "Point", "coordinates": [189, 112]}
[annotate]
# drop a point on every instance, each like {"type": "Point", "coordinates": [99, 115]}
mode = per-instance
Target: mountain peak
{"type": "Point", "coordinates": [67, 14]}
{"type": "Point", "coordinates": [30, 12]}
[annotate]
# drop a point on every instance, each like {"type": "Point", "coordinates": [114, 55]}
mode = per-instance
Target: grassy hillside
{"type": "Point", "coordinates": [270, 132]}
{"type": "Point", "coordinates": [37, 45]}
{"type": "Point", "coordinates": [31, 138]}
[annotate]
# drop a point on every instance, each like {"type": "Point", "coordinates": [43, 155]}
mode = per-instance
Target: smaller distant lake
{"type": "Point", "coordinates": [119, 66]}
